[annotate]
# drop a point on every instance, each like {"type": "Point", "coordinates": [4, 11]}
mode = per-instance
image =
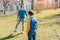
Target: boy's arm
{"type": "Point", "coordinates": [28, 26]}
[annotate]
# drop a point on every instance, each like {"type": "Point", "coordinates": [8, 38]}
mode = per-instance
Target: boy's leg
{"type": "Point", "coordinates": [34, 36]}
{"type": "Point", "coordinates": [29, 36]}
{"type": "Point", "coordinates": [22, 25]}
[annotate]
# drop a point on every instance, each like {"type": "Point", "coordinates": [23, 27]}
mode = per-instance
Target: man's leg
{"type": "Point", "coordinates": [17, 24]}
{"type": "Point", "coordinates": [23, 25]}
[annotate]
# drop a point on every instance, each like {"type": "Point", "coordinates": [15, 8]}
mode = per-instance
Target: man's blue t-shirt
{"type": "Point", "coordinates": [22, 13]}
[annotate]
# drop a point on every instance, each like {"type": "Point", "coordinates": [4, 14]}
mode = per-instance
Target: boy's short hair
{"type": "Point", "coordinates": [30, 13]}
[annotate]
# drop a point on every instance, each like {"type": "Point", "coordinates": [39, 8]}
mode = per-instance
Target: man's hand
{"type": "Point", "coordinates": [16, 19]}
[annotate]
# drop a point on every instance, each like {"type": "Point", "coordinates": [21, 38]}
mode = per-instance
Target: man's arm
{"type": "Point", "coordinates": [26, 13]}
{"type": "Point", "coordinates": [17, 15]}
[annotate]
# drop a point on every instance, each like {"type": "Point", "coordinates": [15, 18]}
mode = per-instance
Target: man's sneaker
{"type": "Point", "coordinates": [22, 32]}
{"type": "Point", "coordinates": [15, 30]}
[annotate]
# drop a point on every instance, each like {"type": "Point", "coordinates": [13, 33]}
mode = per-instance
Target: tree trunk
{"type": "Point", "coordinates": [32, 4]}
{"type": "Point", "coordinates": [4, 6]}
{"type": "Point", "coordinates": [4, 9]}
{"type": "Point", "coordinates": [58, 3]}
{"type": "Point", "coordinates": [21, 2]}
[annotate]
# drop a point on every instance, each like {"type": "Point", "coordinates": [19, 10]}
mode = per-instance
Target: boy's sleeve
{"type": "Point", "coordinates": [28, 26]}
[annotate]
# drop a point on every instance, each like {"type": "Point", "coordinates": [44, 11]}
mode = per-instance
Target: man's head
{"type": "Point", "coordinates": [30, 13]}
{"type": "Point", "coordinates": [22, 6]}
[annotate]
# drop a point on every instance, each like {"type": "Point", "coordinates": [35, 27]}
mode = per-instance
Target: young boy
{"type": "Point", "coordinates": [20, 18]}
{"type": "Point", "coordinates": [31, 26]}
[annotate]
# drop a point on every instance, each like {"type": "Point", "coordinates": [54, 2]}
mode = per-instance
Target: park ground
{"type": "Point", "coordinates": [48, 26]}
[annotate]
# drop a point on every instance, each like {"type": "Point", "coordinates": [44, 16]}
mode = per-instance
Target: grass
{"type": "Point", "coordinates": [48, 26]}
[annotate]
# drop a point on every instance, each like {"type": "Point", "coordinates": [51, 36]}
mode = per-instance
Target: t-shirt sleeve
{"type": "Point", "coordinates": [26, 13]}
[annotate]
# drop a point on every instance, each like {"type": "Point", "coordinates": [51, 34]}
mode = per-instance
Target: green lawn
{"type": "Point", "coordinates": [48, 26]}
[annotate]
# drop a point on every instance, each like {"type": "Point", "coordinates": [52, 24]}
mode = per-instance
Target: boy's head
{"type": "Point", "coordinates": [30, 13]}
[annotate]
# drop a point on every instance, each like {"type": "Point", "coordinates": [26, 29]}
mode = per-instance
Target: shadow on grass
{"type": "Point", "coordinates": [51, 17]}
{"type": "Point", "coordinates": [10, 36]}
{"type": "Point", "coordinates": [57, 15]}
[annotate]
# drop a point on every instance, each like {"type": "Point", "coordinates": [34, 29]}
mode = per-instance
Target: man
{"type": "Point", "coordinates": [31, 26]}
{"type": "Point", "coordinates": [20, 18]}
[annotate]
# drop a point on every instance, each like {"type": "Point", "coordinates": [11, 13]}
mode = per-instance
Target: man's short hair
{"type": "Point", "coordinates": [30, 13]}
{"type": "Point", "coordinates": [21, 6]}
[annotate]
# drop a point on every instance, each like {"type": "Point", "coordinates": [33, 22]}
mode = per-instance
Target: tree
{"type": "Point", "coordinates": [32, 4]}
{"type": "Point", "coordinates": [22, 2]}
{"type": "Point", "coordinates": [5, 2]}
{"type": "Point", "coordinates": [59, 3]}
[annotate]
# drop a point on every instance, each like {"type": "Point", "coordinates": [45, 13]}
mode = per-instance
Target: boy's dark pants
{"type": "Point", "coordinates": [32, 35]}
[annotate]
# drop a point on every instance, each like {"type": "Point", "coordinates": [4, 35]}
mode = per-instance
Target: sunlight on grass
{"type": "Point", "coordinates": [48, 26]}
